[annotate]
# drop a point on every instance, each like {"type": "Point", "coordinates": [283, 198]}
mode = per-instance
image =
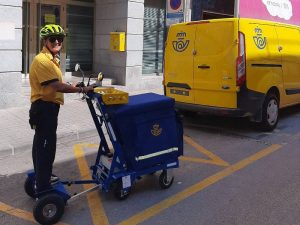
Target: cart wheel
{"type": "Point", "coordinates": [165, 181]}
{"type": "Point", "coordinates": [29, 187]}
{"type": "Point", "coordinates": [49, 209]}
{"type": "Point", "coordinates": [119, 192]}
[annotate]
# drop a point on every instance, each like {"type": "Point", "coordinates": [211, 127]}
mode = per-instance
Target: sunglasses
{"type": "Point", "coordinates": [54, 38]}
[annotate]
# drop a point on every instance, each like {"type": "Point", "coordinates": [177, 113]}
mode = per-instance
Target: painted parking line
{"type": "Point", "coordinates": [98, 215]}
{"type": "Point", "coordinates": [214, 159]}
{"type": "Point", "coordinates": [19, 213]}
{"type": "Point", "coordinates": [94, 200]}
{"type": "Point", "coordinates": [22, 214]}
{"type": "Point", "coordinates": [167, 203]}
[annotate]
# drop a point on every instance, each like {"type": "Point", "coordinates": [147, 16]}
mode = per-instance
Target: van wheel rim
{"type": "Point", "coordinates": [272, 112]}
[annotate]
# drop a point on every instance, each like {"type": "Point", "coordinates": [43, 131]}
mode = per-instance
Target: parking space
{"type": "Point", "coordinates": [212, 153]}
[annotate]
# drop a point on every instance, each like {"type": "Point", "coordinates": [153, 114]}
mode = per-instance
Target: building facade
{"type": "Point", "coordinates": [88, 24]}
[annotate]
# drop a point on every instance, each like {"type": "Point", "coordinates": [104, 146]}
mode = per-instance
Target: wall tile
{"type": "Point", "coordinates": [10, 14]}
{"type": "Point", "coordinates": [10, 61]}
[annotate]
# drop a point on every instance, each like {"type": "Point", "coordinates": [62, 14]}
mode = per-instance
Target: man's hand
{"type": "Point", "coordinates": [78, 84]}
{"type": "Point", "coordinates": [66, 88]}
{"type": "Point", "coordinates": [88, 89]}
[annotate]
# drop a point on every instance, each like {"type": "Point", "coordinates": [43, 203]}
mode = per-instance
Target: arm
{"type": "Point", "coordinates": [65, 88]}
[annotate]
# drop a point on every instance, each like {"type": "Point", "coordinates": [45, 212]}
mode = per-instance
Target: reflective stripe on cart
{"type": "Point", "coordinates": [112, 131]}
{"type": "Point", "coordinates": [156, 154]}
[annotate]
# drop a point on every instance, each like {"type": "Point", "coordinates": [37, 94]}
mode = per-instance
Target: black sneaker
{"type": "Point", "coordinates": [54, 179]}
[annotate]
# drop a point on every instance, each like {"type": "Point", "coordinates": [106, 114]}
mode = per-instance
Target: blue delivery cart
{"type": "Point", "coordinates": [146, 136]}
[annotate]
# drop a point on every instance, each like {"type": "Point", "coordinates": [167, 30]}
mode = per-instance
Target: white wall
{"type": "Point", "coordinates": [110, 16]}
{"type": "Point", "coordinates": [135, 30]}
{"type": "Point", "coordinates": [10, 53]}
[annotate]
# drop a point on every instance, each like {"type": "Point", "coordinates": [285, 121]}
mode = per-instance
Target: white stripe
{"type": "Point", "coordinates": [156, 154]}
{"type": "Point", "coordinates": [172, 164]}
{"type": "Point", "coordinates": [111, 131]}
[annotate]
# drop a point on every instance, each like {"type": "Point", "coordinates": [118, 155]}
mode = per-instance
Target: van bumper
{"type": "Point", "coordinates": [210, 110]}
{"type": "Point", "coordinates": [251, 102]}
{"type": "Point", "coordinates": [249, 105]}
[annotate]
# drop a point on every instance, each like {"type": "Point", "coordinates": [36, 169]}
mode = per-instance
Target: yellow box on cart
{"type": "Point", "coordinates": [112, 96]}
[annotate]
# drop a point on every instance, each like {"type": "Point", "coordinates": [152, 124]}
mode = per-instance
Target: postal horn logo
{"type": "Point", "coordinates": [259, 40]}
{"type": "Point", "coordinates": [156, 130]}
{"type": "Point", "coordinates": [181, 43]}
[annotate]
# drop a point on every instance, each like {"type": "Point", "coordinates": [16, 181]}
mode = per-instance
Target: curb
{"type": "Point", "coordinates": [61, 139]}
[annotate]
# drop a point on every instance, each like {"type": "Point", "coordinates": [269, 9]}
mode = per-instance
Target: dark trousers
{"type": "Point", "coordinates": [43, 118]}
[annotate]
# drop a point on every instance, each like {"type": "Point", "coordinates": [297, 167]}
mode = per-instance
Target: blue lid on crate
{"type": "Point", "coordinates": [142, 103]}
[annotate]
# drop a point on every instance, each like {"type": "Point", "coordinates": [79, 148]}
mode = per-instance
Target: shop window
{"type": "Point", "coordinates": [80, 22]}
{"type": "Point", "coordinates": [154, 36]}
{"type": "Point", "coordinates": [216, 9]}
{"type": "Point", "coordinates": [212, 9]}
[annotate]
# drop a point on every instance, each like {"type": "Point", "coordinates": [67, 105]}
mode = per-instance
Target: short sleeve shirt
{"type": "Point", "coordinates": [44, 70]}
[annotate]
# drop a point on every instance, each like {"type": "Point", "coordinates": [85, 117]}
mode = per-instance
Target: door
{"type": "Point", "coordinates": [179, 63]}
{"type": "Point", "coordinates": [36, 15]}
{"type": "Point", "coordinates": [78, 45]}
{"type": "Point", "coordinates": [51, 13]}
{"type": "Point", "coordinates": [289, 47]}
{"type": "Point", "coordinates": [216, 50]}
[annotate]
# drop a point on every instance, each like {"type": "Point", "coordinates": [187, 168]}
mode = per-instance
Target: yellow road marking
{"type": "Point", "coordinates": [214, 159]}
{"type": "Point", "coordinates": [22, 214]}
{"type": "Point", "coordinates": [167, 203]}
{"type": "Point", "coordinates": [94, 200]}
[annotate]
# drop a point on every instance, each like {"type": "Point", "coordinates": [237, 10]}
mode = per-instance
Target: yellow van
{"type": "Point", "coordinates": [235, 67]}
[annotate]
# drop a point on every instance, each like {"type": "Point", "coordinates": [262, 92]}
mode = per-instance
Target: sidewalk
{"type": "Point", "coordinates": [74, 122]}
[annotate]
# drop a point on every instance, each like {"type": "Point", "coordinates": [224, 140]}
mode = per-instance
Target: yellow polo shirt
{"type": "Point", "coordinates": [44, 70]}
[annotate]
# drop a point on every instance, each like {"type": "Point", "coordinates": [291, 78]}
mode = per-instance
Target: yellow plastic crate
{"type": "Point", "coordinates": [112, 96]}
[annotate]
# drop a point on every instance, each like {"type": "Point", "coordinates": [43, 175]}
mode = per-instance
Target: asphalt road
{"type": "Point", "coordinates": [230, 174]}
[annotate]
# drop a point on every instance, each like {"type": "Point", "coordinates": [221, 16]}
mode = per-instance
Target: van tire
{"type": "Point", "coordinates": [270, 112]}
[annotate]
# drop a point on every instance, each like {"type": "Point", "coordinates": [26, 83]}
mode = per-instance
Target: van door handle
{"type": "Point", "coordinates": [204, 67]}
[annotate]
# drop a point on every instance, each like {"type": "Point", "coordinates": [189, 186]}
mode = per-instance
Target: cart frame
{"type": "Point", "coordinates": [116, 174]}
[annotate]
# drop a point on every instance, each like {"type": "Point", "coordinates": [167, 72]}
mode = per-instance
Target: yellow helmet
{"type": "Point", "coordinates": [52, 30]}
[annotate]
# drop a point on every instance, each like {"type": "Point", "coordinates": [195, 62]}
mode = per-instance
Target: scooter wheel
{"type": "Point", "coordinates": [119, 192]}
{"type": "Point", "coordinates": [165, 181]}
{"type": "Point", "coordinates": [49, 209]}
{"type": "Point", "coordinates": [29, 187]}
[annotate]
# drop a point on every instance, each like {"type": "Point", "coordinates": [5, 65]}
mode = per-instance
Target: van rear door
{"type": "Point", "coordinates": [216, 46]}
{"type": "Point", "coordinates": [179, 63]}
